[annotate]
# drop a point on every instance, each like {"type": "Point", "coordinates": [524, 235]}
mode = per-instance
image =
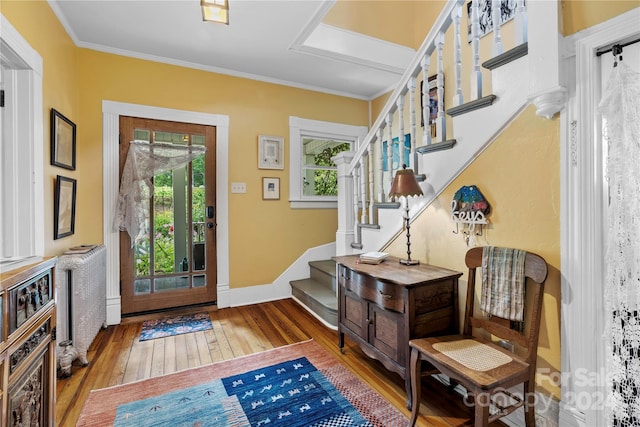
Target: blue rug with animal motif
{"type": "Point", "coordinates": [293, 393]}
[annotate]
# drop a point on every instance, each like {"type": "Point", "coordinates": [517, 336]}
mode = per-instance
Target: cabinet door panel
{"type": "Point", "coordinates": [353, 313]}
{"type": "Point", "coordinates": [386, 332]}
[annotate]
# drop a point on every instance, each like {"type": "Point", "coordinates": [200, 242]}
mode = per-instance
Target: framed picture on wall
{"type": "Point", "coordinates": [63, 141]}
{"type": "Point", "coordinates": [270, 152]}
{"type": "Point", "coordinates": [432, 104]}
{"type": "Point", "coordinates": [270, 188]}
{"type": "Point", "coordinates": [64, 208]}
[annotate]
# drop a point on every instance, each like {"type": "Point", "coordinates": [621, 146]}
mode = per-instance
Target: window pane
{"type": "Point", "coordinates": [320, 182]}
{"type": "Point", "coordinates": [198, 206]}
{"type": "Point", "coordinates": [163, 224]}
{"type": "Point", "coordinates": [318, 152]}
{"type": "Point", "coordinates": [171, 138]}
{"type": "Point", "coordinates": [141, 135]}
{"type": "Point", "coordinates": [170, 283]}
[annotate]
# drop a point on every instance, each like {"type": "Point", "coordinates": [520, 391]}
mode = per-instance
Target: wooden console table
{"type": "Point", "coordinates": [381, 307]}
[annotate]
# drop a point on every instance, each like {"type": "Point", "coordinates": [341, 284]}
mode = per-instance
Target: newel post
{"type": "Point", "coordinates": [546, 89]}
{"type": "Point", "coordinates": [345, 233]}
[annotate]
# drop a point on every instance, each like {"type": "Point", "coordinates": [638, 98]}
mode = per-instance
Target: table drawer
{"type": "Point", "coordinates": [384, 294]}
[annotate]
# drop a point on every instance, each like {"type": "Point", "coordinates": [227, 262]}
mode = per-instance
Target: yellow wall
{"type": "Point", "coordinates": [519, 174]}
{"type": "Point", "coordinates": [37, 23]}
{"type": "Point", "coordinates": [580, 14]}
{"type": "Point", "coordinates": [265, 236]}
{"type": "Point", "coordinates": [383, 19]}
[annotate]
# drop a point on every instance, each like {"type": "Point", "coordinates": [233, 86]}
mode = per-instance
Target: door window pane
{"type": "Point", "coordinates": [198, 207]}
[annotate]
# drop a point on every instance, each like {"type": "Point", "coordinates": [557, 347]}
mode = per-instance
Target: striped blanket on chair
{"type": "Point", "coordinates": [503, 282]}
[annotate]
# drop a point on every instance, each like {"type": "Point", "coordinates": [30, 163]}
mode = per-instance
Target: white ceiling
{"type": "Point", "coordinates": [278, 41]}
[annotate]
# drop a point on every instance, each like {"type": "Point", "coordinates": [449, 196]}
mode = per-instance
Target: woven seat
{"type": "Point", "coordinates": [482, 367]}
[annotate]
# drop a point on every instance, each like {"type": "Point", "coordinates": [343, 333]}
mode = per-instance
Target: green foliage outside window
{"type": "Point", "coordinates": [326, 181]}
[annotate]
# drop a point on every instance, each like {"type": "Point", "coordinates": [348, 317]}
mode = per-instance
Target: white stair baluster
{"type": "Point", "coordinates": [381, 195]}
{"type": "Point", "coordinates": [400, 105]}
{"type": "Point", "coordinates": [520, 24]}
{"type": "Point", "coordinates": [476, 73]}
{"type": "Point", "coordinates": [456, 15]}
{"type": "Point", "coordinates": [441, 125]}
{"type": "Point", "coordinates": [496, 48]}
{"type": "Point", "coordinates": [356, 190]}
{"type": "Point", "coordinates": [426, 135]}
{"type": "Point", "coordinates": [390, 150]}
{"type": "Point", "coordinates": [371, 190]}
{"type": "Point", "coordinates": [413, 154]}
{"type": "Point", "coordinates": [363, 190]}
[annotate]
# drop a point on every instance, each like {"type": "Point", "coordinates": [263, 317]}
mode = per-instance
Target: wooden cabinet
{"type": "Point", "coordinates": [27, 347]}
{"type": "Point", "coordinates": [381, 307]}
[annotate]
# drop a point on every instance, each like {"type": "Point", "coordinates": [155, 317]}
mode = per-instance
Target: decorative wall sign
{"type": "Point", "coordinates": [270, 152]}
{"type": "Point", "coordinates": [469, 208]}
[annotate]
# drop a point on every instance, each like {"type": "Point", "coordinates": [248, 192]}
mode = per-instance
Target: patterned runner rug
{"type": "Point", "coordinates": [297, 385]}
{"type": "Point", "coordinates": [175, 325]}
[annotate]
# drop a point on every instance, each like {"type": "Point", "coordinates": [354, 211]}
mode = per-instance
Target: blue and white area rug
{"type": "Point", "coordinates": [292, 394]}
{"type": "Point", "coordinates": [297, 385]}
{"type": "Point", "coordinates": [175, 325]}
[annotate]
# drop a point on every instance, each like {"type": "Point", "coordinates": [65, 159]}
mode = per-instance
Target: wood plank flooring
{"type": "Point", "coordinates": [117, 357]}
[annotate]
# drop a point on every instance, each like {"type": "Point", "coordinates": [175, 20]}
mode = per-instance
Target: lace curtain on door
{"type": "Point", "coordinates": [143, 162]}
{"type": "Point", "coordinates": [620, 107]}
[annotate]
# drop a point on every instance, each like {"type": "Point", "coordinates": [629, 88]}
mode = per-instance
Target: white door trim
{"type": "Point", "coordinates": [583, 223]}
{"type": "Point", "coordinates": [110, 139]}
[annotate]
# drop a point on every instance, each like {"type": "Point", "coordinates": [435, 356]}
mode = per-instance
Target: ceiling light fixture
{"type": "Point", "coordinates": [215, 11]}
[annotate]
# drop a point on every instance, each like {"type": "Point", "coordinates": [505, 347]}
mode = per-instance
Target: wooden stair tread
{"type": "Point", "coordinates": [318, 291]}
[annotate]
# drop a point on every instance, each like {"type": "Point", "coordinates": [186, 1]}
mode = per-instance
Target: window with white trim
{"type": "Point", "coordinates": [313, 175]}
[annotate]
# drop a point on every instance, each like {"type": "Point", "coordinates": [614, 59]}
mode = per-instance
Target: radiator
{"type": "Point", "coordinates": [81, 282]}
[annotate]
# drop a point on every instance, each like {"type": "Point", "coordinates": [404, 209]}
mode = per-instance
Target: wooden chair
{"type": "Point", "coordinates": [488, 370]}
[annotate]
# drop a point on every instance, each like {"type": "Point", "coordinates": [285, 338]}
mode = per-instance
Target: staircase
{"type": "Point", "coordinates": [319, 293]}
{"type": "Point", "coordinates": [367, 219]}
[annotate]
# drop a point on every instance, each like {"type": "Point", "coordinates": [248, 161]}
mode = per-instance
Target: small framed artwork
{"type": "Point", "coordinates": [433, 104]}
{"type": "Point", "coordinates": [63, 141]}
{"type": "Point", "coordinates": [485, 17]}
{"type": "Point", "coordinates": [270, 188]}
{"type": "Point", "coordinates": [64, 208]}
{"type": "Point", "coordinates": [270, 152]}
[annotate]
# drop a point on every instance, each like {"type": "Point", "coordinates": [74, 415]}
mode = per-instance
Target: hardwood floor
{"type": "Point", "coordinates": [117, 357]}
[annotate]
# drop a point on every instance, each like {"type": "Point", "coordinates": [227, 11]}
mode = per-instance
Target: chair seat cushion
{"type": "Point", "coordinates": [473, 354]}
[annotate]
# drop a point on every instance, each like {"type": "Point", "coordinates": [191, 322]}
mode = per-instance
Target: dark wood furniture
{"type": "Point", "coordinates": [27, 345]}
{"type": "Point", "coordinates": [502, 369]}
{"type": "Point", "coordinates": [381, 307]}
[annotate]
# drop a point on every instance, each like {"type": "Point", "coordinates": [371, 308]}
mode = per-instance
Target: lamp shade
{"type": "Point", "coordinates": [215, 11]}
{"type": "Point", "coordinates": [405, 184]}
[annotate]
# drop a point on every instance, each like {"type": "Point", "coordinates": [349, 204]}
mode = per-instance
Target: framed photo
{"type": "Point", "coordinates": [399, 152]}
{"type": "Point", "coordinates": [270, 188]}
{"type": "Point", "coordinates": [63, 141]}
{"type": "Point", "coordinates": [64, 208]}
{"type": "Point", "coordinates": [270, 152]}
{"type": "Point", "coordinates": [433, 104]}
{"type": "Point", "coordinates": [485, 18]}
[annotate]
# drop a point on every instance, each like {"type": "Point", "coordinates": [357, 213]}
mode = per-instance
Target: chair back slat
{"type": "Point", "coordinates": [535, 271]}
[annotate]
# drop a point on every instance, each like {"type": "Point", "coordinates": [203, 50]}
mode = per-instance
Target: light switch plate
{"type": "Point", "coordinates": [238, 187]}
